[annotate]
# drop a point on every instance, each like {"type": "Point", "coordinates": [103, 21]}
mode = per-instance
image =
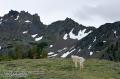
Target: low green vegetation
{"type": "Point", "coordinates": [112, 52]}
{"type": "Point", "coordinates": [56, 68]}
{"type": "Point", "coordinates": [18, 50]}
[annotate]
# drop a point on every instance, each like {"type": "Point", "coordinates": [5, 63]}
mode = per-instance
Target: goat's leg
{"type": "Point", "coordinates": [76, 64]}
{"type": "Point", "coordinates": [81, 66]}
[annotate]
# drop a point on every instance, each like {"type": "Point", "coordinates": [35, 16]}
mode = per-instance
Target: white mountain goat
{"type": "Point", "coordinates": [77, 59]}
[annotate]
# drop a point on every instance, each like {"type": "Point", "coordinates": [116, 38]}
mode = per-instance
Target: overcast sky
{"type": "Point", "coordinates": [86, 12]}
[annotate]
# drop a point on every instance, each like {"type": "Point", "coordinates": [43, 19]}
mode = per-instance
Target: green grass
{"type": "Point", "coordinates": [62, 69]}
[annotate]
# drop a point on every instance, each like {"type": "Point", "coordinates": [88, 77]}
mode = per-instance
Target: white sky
{"type": "Point", "coordinates": [86, 12]}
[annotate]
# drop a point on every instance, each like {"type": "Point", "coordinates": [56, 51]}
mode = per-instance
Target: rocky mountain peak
{"type": "Point", "coordinates": [65, 37]}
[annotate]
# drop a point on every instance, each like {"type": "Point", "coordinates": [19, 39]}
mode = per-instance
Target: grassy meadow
{"type": "Point", "coordinates": [57, 68]}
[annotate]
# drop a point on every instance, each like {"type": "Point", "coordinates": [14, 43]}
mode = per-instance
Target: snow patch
{"type": "Point", "coordinates": [65, 37]}
{"type": "Point", "coordinates": [51, 46]}
{"type": "Point", "coordinates": [79, 50]}
{"type": "Point", "coordinates": [89, 47]}
{"type": "Point", "coordinates": [1, 19]}
{"type": "Point", "coordinates": [53, 55]}
{"type": "Point", "coordinates": [104, 41]}
{"type": "Point", "coordinates": [28, 21]}
{"type": "Point", "coordinates": [25, 32]}
{"type": "Point", "coordinates": [81, 34]}
{"type": "Point", "coordinates": [71, 47]}
{"type": "Point", "coordinates": [50, 53]}
{"type": "Point", "coordinates": [39, 38]}
{"type": "Point", "coordinates": [91, 53]}
{"type": "Point", "coordinates": [34, 35]}
{"type": "Point", "coordinates": [94, 39]}
{"type": "Point", "coordinates": [17, 17]}
{"type": "Point", "coordinates": [115, 31]}
{"type": "Point", "coordinates": [62, 50]}
{"type": "Point", "coordinates": [0, 47]}
{"type": "Point", "coordinates": [65, 48]}
{"type": "Point", "coordinates": [67, 53]}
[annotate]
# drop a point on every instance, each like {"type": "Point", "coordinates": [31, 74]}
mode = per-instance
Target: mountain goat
{"type": "Point", "coordinates": [77, 59]}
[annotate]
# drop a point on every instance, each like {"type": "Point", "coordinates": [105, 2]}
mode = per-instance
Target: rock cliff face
{"type": "Point", "coordinates": [65, 37]}
{"type": "Point", "coordinates": [100, 40]}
